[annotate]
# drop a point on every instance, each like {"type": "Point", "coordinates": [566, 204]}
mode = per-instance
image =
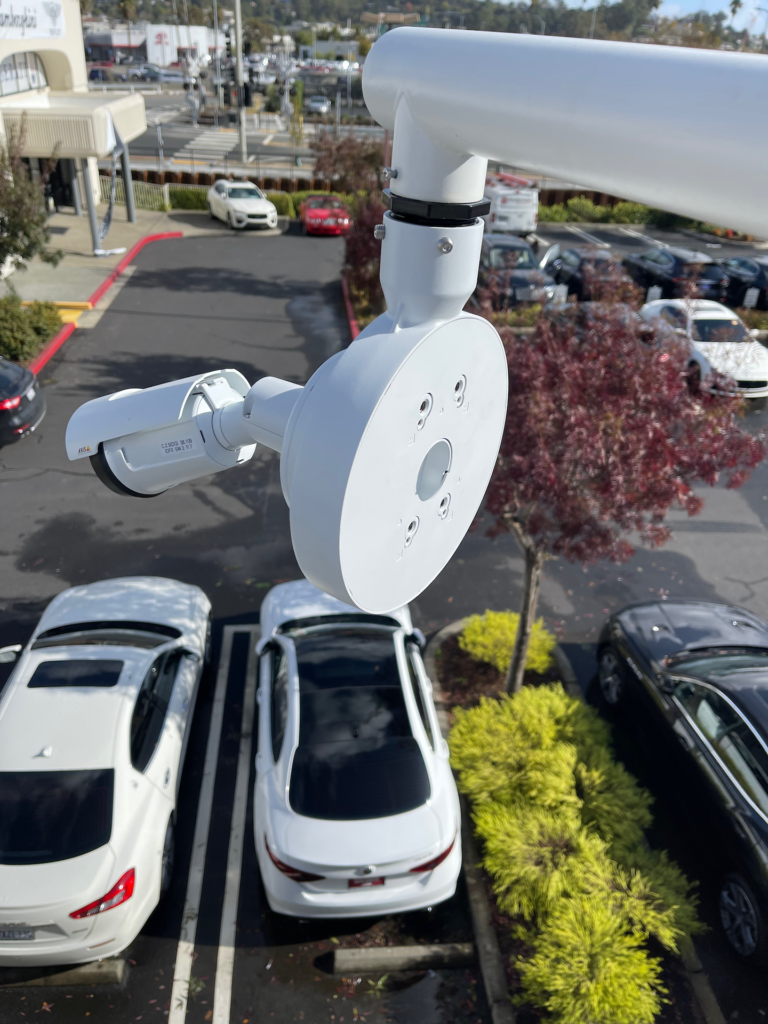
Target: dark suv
{"type": "Point", "coordinates": [510, 269]}
{"type": "Point", "coordinates": [677, 272]}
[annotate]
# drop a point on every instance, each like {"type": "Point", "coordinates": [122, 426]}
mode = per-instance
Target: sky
{"type": "Point", "coordinates": [748, 17]}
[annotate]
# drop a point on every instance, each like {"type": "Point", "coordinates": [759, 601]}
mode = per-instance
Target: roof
{"type": "Point", "coordinates": [689, 255]}
{"type": "Point", "coordinates": [494, 241]}
{"type": "Point", "coordinates": [694, 306]}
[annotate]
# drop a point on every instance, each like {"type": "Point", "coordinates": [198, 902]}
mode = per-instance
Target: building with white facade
{"type": "Point", "coordinates": [156, 44]}
{"type": "Point", "coordinates": [44, 98]}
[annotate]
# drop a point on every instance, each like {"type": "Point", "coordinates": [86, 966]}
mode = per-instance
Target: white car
{"type": "Point", "coordinates": [355, 807]}
{"type": "Point", "coordinates": [318, 105]}
{"type": "Point", "coordinates": [94, 724]}
{"type": "Point", "coordinates": [241, 204]}
{"type": "Point", "coordinates": [720, 336]}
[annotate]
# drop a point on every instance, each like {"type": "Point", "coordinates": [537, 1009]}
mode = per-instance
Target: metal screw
{"type": "Point", "coordinates": [445, 245]}
{"type": "Point", "coordinates": [379, 232]}
{"type": "Point", "coordinates": [389, 173]}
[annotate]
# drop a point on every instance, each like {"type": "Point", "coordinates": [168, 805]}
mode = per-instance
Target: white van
{"type": "Point", "coordinates": [514, 205]}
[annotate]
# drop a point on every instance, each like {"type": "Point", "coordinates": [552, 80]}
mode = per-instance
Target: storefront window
{"type": "Point", "coordinates": [21, 72]}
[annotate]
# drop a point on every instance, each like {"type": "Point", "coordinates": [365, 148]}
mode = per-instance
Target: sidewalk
{"type": "Point", "coordinates": [80, 273]}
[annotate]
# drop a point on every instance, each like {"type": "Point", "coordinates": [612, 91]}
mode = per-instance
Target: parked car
{"type": "Point", "coordinates": [324, 215]}
{"type": "Point", "coordinates": [583, 269]}
{"type": "Point", "coordinates": [718, 333]}
{"type": "Point", "coordinates": [319, 105]}
{"type": "Point", "coordinates": [355, 808]}
{"type": "Point", "coordinates": [94, 724]}
{"type": "Point", "coordinates": [672, 270]}
{"type": "Point", "coordinates": [241, 204]}
{"type": "Point", "coordinates": [22, 402]}
{"type": "Point", "coordinates": [699, 671]}
{"type": "Point", "coordinates": [509, 267]}
{"type": "Point", "coordinates": [744, 273]}
{"type": "Point", "coordinates": [108, 74]}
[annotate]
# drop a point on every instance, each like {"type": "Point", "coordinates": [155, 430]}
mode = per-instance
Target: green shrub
{"type": "Point", "coordinates": [25, 329]}
{"type": "Point", "coordinates": [554, 213]}
{"type": "Point", "coordinates": [283, 203]}
{"type": "Point", "coordinates": [755, 319]}
{"type": "Point", "coordinates": [587, 968]}
{"type": "Point", "coordinates": [562, 825]}
{"type": "Point", "coordinates": [579, 208]}
{"type": "Point", "coordinates": [188, 198]}
{"type": "Point", "coordinates": [520, 316]}
{"type": "Point", "coordinates": [629, 213]}
{"type": "Point", "coordinates": [491, 638]}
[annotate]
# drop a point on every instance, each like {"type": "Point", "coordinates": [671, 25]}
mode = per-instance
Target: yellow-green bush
{"type": "Point", "coordinates": [562, 825]}
{"type": "Point", "coordinates": [491, 637]}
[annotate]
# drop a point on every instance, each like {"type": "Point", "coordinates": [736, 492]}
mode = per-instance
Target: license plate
{"type": "Point", "coordinates": [16, 934]}
{"type": "Point", "coordinates": [364, 883]}
{"type": "Point", "coordinates": [30, 394]}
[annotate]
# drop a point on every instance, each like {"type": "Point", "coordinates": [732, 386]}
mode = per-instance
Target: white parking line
{"type": "Point", "coordinates": [587, 237]}
{"type": "Point", "coordinates": [222, 993]}
{"type": "Point", "coordinates": [644, 238]}
{"type": "Point", "coordinates": [186, 948]}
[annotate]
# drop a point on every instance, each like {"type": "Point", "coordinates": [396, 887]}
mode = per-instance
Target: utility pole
{"type": "Point", "coordinates": [240, 79]}
{"type": "Point", "coordinates": [219, 99]}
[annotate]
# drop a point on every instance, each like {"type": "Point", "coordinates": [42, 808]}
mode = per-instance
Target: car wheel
{"type": "Point", "coordinates": [609, 673]}
{"type": "Point", "coordinates": [742, 919]}
{"type": "Point", "coordinates": [208, 650]}
{"type": "Point", "coordinates": [231, 222]}
{"type": "Point", "coordinates": [694, 378]}
{"type": "Point", "coordinates": [210, 211]}
{"type": "Point", "coordinates": [169, 855]}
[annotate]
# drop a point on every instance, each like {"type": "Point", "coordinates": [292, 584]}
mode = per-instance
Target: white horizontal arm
{"type": "Point", "coordinates": [680, 129]}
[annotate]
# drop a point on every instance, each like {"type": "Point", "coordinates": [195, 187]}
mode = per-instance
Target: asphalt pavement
{"type": "Point", "coordinates": [265, 305]}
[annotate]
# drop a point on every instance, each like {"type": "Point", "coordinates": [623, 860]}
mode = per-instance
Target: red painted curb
{"type": "Point", "coordinates": [58, 340]}
{"type": "Point", "coordinates": [354, 330]}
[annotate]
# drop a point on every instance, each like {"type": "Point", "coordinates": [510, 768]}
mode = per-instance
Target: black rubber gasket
{"type": "Point", "coordinates": [102, 470]}
{"type": "Point", "coordinates": [423, 211]}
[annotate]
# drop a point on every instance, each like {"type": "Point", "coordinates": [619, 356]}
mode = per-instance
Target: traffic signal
{"type": "Point", "coordinates": [228, 40]}
{"type": "Point", "coordinates": [247, 48]}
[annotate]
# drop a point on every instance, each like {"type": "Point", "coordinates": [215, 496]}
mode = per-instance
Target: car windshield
{"type": "Point", "coordinates": [321, 203]}
{"type": "Point", "coordinates": [10, 377]}
{"type": "Point", "coordinates": [120, 633]}
{"type": "Point", "coordinates": [357, 757]}
{"type": "Point", "coordinates": [719, 330]}
{"type": "Point", "coordinates": [52, 816]}
{"type": "Point", "coordinates": [93, 672]}
{"type": "Point", "coordinates": [505, 257]}
{"type": "Point", "coordinates": [243, 192]}
{"type": "Point", "coordinates": [715, 664]}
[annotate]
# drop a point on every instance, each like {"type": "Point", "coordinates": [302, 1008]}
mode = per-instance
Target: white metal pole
{"type": "Point", "coordinates": [240, 79]}
{"type": "Point", "coordinates": [219, 99]}
{"type": "Point", "coordinates": [600, 115]}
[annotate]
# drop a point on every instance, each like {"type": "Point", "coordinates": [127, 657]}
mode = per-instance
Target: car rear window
{"type": "Point", "coordinates": [76, 673]}
{"type": "Point", "coordinates": [52, 816]}
{"type": "Point", "coordinates": [10, 377]}
{"type": "Point", "coordinates": [357, 757]}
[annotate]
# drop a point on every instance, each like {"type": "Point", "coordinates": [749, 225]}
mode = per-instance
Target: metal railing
{"type": "Point", "coordinates": [145, 195]}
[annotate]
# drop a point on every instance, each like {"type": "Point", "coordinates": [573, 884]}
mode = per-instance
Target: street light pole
{"type": "Point", "coordinates": [240, 81]}
{"type": "Point", "coordinates": [219, 99]}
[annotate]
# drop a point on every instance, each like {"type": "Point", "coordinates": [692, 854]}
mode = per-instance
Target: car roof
{"type": "Point", "coordinates": [689, 255]}
{"type": "Point", "coordinates": [494, 241]}
{"type": "Point", "coordinates": [138, 598]}
{"type": "Point", "coordinates": [694, 306]}
{"type": "Point", "coordinates": [79, 725]}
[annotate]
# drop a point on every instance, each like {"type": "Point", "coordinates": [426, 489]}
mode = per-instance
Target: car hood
{"type": "Point", "coordinates": [321, 213]}
{"type": "Point", "coordinates": [745, 360]}
{"type": "Point", "coordinates": [250, 205]}
{"type": "Point", "coordinates": [664, 629]}
{"type": "Point", "coordinates": [530, 279]}
{"type": "Point", "coordinates": [414, 835]}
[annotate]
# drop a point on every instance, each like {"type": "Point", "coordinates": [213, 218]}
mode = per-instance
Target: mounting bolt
{"type": "Point", "coordinates": [389, 173]}
{"type": "Point", "coordinates": [445, 245]}
{"type": "Point", "coordinates": [379, 232]}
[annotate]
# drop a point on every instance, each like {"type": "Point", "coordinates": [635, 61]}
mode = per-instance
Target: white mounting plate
{"type": "Point", "coordinates": [354, 451]}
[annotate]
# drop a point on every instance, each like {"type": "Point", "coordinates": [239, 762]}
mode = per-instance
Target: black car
{"type": "Point", "coordinates": [22, 405]}
{"type": "Point", "coordinates": [745, 272]}
{"type": "Point", "coordinates": [510, 269]}
{"type": "Point", "coordinates": [675, 270]}
{"type": "Point", "coordinates": [700, 671]}
{"type": "Point", "coordinates": [583, 269]}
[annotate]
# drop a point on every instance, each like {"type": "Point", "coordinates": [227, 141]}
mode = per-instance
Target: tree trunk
{"type": "Point", "coordinates": [531, 583]}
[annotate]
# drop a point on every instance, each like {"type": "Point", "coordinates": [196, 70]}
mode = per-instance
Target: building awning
{"type": "Point", "coordinates": [73, 124]}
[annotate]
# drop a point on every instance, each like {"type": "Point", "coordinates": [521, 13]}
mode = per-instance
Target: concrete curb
{"type": "Point", "coordinates": [100, 972]}
{"type": "Point", "coordinates": [403, 958]}
{"type": "Point", "coordinates": [354, 328]}
{"type": "Point", "coordinates": [53, 346]}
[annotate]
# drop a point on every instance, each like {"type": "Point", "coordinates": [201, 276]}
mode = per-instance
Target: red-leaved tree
{"type": "Point", "coordinates": [362, 257]}
{"type": "Point", "coordinates": [604, 434]}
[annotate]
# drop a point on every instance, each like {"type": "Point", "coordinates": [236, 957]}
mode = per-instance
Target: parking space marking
{"type": "Point", "coordinates": [186, 947]}
{"type": "Point", "coordinates": [643, 238]}
{"type": "Point", "coordinates": [222, 994]}
{"type": "Point", "coordinates": [587, 237]}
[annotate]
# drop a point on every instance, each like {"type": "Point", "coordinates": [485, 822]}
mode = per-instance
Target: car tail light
{"type": "Point", "coordinates": [293, 873]}
{"type": "Point", "coordinates": [430, 865]}
{"type": "Point", "coordinates": [120, 892]}
{"type": "Point", "coordinates": [10, 403]}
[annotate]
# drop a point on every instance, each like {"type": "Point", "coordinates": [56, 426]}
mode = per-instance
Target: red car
{"type": "Point", "coordinates": [324, 215]}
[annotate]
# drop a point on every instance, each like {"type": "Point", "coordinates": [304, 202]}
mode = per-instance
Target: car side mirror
{"type": "Point", "coordinates": [418, 638]}
{"type": "Point", "coordinates": [667, 684]}
{"type": "Point", "coordinates": [9, 654]}
{"type": "Point", "coordinates": [754, 332]}
{"type": "Point", "coordinates": [190, 655]}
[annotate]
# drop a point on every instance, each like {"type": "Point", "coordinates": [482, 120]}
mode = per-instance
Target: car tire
{"type": "Point", "coordinates": [610, 677]}
{"type": "Point", "coordinates": [167, 860]}
{"type": "Point", "coordinates": [231, 222]}
{"type": "Point", "coordinates": [742, 920]}
{"type": "Point", "coordinates": [694, 378]}
{"type": "Point", "coordinates": [210, 212]}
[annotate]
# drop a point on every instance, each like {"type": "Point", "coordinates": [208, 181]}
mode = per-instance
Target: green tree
{"type": "Point", "coordinates": [24, 230]}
